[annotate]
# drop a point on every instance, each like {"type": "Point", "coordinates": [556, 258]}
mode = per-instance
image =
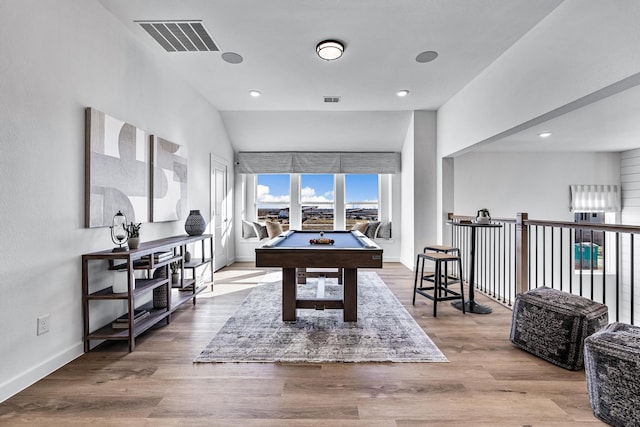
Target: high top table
{"type": "Point", "coordinates": [471, 306]}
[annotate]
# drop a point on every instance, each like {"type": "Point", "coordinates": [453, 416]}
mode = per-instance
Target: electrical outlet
{"type": "Point", "coordinates": [43, 324]}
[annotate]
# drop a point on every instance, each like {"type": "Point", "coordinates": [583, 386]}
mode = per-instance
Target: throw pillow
{"type": "Point", "coordinates": [273, 229]}
{"type": "Point", "coordinates": [384, 231]}
{"type": "Point", "coordinates": [247, 230]}
{"type": "Point", "coordinates": [371, 229]}
{"type": "Point", "coordinates": [261, 230]}
{"type": "Point", "coordinates": [360, 226]}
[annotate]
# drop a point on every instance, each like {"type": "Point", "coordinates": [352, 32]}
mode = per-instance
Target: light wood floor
{"type": "Point", "coordinates": [488, 382]}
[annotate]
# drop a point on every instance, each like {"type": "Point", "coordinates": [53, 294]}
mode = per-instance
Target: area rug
{"type": "Point", "coordinates": [384, 332]}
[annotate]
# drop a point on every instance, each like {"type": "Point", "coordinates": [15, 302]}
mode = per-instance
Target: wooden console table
{"type": "Point", "coordinates": [143, 259]}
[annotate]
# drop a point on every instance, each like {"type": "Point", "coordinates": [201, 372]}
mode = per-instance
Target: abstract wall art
{"type": "Point", "coordinates": [116, 170]}
{"type": "Point", "coordinates": [168, 180]}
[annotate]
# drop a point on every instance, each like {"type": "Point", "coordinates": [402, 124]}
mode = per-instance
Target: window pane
{"type": "Point", "coordinates": [589, 244]}
{"type": "Point", "coordinates": [316, 197]}
{"type": "Point", "coordinates": [361, 194]}
{"type": "Point", "coordinates": [273, 198]}
{"type": "Point", "coordinates": [316, 189]}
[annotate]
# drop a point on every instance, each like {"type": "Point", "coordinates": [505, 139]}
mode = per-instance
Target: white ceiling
{"type": "Point", "coordinates": [277, 40]}
{"type": "Point", "coordinates": [609, 124]}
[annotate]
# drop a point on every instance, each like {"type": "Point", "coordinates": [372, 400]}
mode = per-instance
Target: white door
{"type": "Point", "coordinates": [220, 211]}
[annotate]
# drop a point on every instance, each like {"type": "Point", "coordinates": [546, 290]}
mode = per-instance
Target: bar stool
{"type": "Point", "coordinates": [441, 291]}
{"type": "Point", "coordinates": [447, 250]}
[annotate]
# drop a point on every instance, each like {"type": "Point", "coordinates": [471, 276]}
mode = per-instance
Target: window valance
{"type": "Point", "coordinates": [594, 198]}
{"type": "Point", "coordinates": [317, 162]}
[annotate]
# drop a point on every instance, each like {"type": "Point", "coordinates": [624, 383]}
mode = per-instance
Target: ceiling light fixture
{"type": "Point", "coordinates": [544, 134]}
{"type": "Point", "coordinates": [255, 93]}
{"type": "Point", "coordinates": [402, 92]}
{"type": "Point", "coordinates": [330, 50]}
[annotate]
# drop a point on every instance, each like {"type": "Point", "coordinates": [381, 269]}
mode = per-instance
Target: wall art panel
{"type": "Point", "coordinates": [168, 181]}
{"type": "Point", "coordinates": [116, 170]}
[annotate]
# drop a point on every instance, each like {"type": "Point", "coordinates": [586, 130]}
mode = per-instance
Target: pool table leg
{"type": "Point", "coordinates": [289, 294]}
{"type": "Point", "coordinates": [350, 294]}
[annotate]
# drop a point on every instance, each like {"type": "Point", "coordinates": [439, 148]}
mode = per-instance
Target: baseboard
{"type": "Point", "coordinates": [35, 374]}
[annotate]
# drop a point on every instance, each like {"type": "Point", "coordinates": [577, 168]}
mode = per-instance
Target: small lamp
{"type": "Point", "coordinates": [119, 232]}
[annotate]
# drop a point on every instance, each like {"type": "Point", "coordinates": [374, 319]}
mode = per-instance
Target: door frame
{"type": "Point", "coordinates": [228, 200]}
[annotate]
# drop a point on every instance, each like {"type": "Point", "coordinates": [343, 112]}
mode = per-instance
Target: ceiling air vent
{"type": "Point", "coordinates": [180, 36]}
{"type": "Point", "coordinates": [330, 99]}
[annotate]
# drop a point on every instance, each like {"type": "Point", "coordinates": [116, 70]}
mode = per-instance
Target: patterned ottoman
{"type": "Point", "coordinates": [552, 324]}
{"type": "Point", "coordinates": [612, 365]}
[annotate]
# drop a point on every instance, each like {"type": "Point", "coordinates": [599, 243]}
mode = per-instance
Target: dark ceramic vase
{"type": "Point", "coordinates": [195, 224]}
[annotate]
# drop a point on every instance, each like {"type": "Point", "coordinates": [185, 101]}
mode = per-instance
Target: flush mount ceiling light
{"type": "Point", "coordinates": [402, 92]}
{"type": "Point", "coordinates": [544, 134]}
{"type": "Point", "coordinates": [330, 50]}
{"type": "Point", "coordinates": [255, 93]}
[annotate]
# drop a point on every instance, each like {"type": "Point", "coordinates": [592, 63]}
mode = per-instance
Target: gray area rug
{"type": "Point", "coordinates": [385, 331]}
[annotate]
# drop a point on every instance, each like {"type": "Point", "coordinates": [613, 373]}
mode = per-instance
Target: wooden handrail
{"type": "Point", "coordinates": [621, 228]}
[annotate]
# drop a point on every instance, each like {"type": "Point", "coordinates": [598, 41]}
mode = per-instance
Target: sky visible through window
{"type": "Point", "coordinates": [317, 188]}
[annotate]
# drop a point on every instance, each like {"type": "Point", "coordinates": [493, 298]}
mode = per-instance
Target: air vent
{"type": "Point", "coordinates": [180, 36]}
{"type": "Point", "coordinates": [331, 99]}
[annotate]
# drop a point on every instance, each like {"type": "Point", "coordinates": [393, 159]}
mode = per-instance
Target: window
{"type": "Point", "coordinates": [273, 198]}
{"type": "Point", "coordinates": [317, 201]}
{"type": "Point", "coordinates": [590, 245]}
{"type": "Point", "coordinates": [361, 198]}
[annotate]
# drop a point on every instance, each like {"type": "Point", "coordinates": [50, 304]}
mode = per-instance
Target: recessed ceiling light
{"type": "Point", "coordinates": [427, 56]}
{"type": "Point", "coordinates": [402, 92]}
{"type": "Point", "coordinates": [255, 93]}
{"type": "Point", "coordinates": [330, 49]}
{"type": "Point", "coordinates": [544, 134]}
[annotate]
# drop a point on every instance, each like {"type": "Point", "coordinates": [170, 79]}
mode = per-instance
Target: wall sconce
{"type": "Point", "coordinates": [119, 232]}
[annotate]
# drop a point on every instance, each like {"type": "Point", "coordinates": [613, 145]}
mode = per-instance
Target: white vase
{"type": "Point", "coordinates": [120, 281]}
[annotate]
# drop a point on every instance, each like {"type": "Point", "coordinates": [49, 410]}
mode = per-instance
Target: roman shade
{"type": "Point", "coordinates": [317, 162]}
{"type": "Point", "coordinates": [594, 198]}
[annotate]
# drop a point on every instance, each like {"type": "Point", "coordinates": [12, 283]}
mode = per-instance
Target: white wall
{"type": "Point", "coordinates": [630, 182]}
{"type": "Point", "coordinates": [419, 196]}
{"type": "Point", "coordinates": [536, 183]}
{"type": "Point", "coordinates": [407, 196]}
{"type": "Point", "coordinates": [58, 58]}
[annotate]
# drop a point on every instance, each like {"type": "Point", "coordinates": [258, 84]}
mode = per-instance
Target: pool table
{"type": "Point", "coordinates": [349, 251]}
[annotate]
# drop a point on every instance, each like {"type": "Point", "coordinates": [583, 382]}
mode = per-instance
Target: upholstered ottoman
{"type": "Point", "coordinates": [552, 324]}
{"type": "Point", "coordinates": [612, 366]}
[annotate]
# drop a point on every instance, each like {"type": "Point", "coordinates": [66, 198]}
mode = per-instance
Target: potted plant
{"type": "Point", "coordinates": [133, 232]}
{"type": "Point", "coordinates": [175, 276]}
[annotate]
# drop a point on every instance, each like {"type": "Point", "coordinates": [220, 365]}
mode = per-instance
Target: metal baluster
{"type": "Point", "coordinates": [581, 262]}
{"type": "Point", "coordinates": [552, 255]}
{"type": "Point", "coordinates": [604, 267]}
{"type": "Point", "coordinates": [633, 261]}
{"type": "Point", "coordinates": [591, 263]}
{"type": "Point", "coordinates": [618, 276]}
{"type": "Point", "coordinates": [560, 268]}
{"type": "Point", "coordinates": [544, 256]}
{"type": "Point", "coordinates": [571, 260]}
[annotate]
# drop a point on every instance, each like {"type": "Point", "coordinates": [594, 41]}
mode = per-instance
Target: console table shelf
{"type": "Point", "coordinates": [137, 287]}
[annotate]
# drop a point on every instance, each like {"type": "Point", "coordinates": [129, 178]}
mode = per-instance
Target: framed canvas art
{"type": "Point", "coordinates": [168, 180]}
{"type": "Point", "coordinates": [116, 170]}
